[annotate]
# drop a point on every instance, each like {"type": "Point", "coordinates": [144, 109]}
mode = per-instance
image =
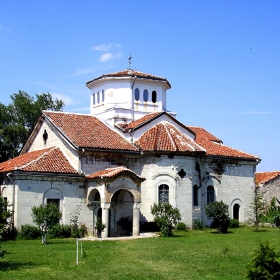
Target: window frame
{"type": "Point", "coordinates": [163, 193]}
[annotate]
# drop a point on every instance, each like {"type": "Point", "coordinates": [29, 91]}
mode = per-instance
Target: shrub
{"type": "Point", "coordinates": [61, 231]}
{"type": "Point", "coordinates": [83, 230]}
{"type": "Point", "coordinates": [218, 211]}
{"type": "Point", "coordinates": [9, 233]}
{"type": "Point", "coordinates": [181, 226]}
{"type": "Point", "coordinates": [29, 232]}
{"type": "Point", "coordinates": [234, 223]}
{"type": "Point", "coordinates": [266, 263]}
{"type": "Point", "coordinates": [166, 217]}
{"type": "Point", "coordinates": [198, 224]}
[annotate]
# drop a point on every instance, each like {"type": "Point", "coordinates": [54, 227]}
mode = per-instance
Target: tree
{"type": "Point", "coordinates": [266, 263]}
{"type": "Point", "coordinates": [5, 215]}
{"type": "Point", "coordinates": [218, 211]}
{"type": "Point", "coordinates": [45, 217]}
{"type": "Point", "coordinates": [18, 119]}
{"type": "Point", "coordinates": [166, 217]}
{"type": "Point", "coordinates": [258, 207]}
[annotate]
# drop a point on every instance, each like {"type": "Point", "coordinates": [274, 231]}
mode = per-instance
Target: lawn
{"type": "Point", "coordinates": [187, 255]}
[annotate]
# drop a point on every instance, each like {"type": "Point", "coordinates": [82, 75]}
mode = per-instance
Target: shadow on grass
{"type": "Point", "coordinates": [6, 266]}
{"type": "Point", "coordinates": [260, 230]}
{"type": "Point", "coordinates": [217, 232]}
{"type": "Point", "coordinates": [54, 242]}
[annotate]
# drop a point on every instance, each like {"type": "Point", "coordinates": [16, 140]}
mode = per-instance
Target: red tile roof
{"type": "Point", "coordinates": [265, 177]}
{"type": "Point", "coordinates": [47, 160]}
{"type": "Point", "coordinates": [214, 146]}
{"type": "Point", "coordinates": [166, 137]}
{"type": "Point", "coordinates": [112, 172]}
{"type": "Point", "coordinates": [130, 73]}
{"type": "Point", "coordinates": [88, 131]}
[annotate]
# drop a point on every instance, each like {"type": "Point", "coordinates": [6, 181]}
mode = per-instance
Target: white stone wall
{"type": "Point", "coordinates": [271, 190]}
{"type": "Point", "coordinates": [234, 185]}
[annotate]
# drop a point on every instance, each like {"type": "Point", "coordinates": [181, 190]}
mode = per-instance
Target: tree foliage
{"type": "Point", "coordinates": [266, 263]}
{"type": "Point", "coordinates": [45, 217]}
{"type": "Point", "coordinates": [5, 222]}
{"type": "Point", "coordinates": [166, 217]}
{"type": "Point", "coordinates": [258, 207]}
{"type": "Point", "coordinates": [18, 119]}
{"type": "Point", "coordinates": [218, 211]}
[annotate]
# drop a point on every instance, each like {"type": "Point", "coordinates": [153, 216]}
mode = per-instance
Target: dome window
{"type": "Point", "coordinates": [154, 96]}
{"type": "Point", "coordinates": [137, 94]}
{"type": "Point", "coordinates": [146, 95]}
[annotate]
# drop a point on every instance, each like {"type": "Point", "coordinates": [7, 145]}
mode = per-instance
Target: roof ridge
{"type": "Point", "coordinates": [268, 171]}
{"type": "Point", "coordinates": [67, 113]}
{"type": "Point", "coordinates": [165, 124]}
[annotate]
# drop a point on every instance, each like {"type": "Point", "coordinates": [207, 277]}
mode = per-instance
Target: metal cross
{"type": "Point", "coordinates": [129, 61]}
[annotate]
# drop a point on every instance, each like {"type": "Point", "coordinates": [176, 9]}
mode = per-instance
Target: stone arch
{"type": "Point", "coordinates": [236, 209]}
{"type": "Point", "coordinates": [121, 212]}
{"type": "Point", "coordinates": [168, 179]}
{"type": "Point", "coordinates": [54, 195]}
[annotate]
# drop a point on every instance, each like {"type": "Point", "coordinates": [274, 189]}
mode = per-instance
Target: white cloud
{"type": "Point", "coordinates": [108, 56]}
{"type": "Point", "coordinates": [80, 72]}
{"type": "Point", "coordinates": [104, 47]}
{"type": "Point", "coordinates": [65, 98]}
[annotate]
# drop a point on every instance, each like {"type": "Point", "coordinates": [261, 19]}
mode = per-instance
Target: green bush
{"type": "Point", "coordinates": [9, 233]}
{"type": "Point", "coordinates": [181, 226]}
{"type": "Point", "coordinates": [198, 224]}
{"type": "Point", "coordinates": [234, 223]}
{"type": "Point", "coordinates": [166, 217]}
{"type": "Point", "coordinates": [29, 232]}
{"type": "Point", "coordinates": [218, 211]}
{"type": "Point", "coordinates": [83, 230]}
{"type": "Point", "coordinates": [60, 231]}
{"type": "Point", "coordinates": [266, 263]}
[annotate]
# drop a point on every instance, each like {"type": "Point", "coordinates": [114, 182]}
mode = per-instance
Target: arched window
{"type": "Point", "coordinates": [103, 95]}
{"type": "Point", "coordinates": [98, 97]}
{"type": "Point", "coordinates": [210, 194]}
{"type": "Point", "coordinates": [154, 96]}
{"type": "Point", "coordinates": [195, 195]}
{"type": "Point", "coordinates": [145, 95]}
{"type": "Point", "coordinates": [163, 194]}
{"type": "Point", "coordinates": [137, 94]}
{"type": "Point", "coordinates": [93, 99]}
{"type": "Point", "coordinates": [236, 211]}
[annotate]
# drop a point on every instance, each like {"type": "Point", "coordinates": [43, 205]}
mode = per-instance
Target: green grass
{"type": "Point", "coordinates": [191, 255]}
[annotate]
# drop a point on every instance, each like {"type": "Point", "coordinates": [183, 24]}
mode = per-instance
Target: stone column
{"type": "Point", "coordinates": [136, 219]}
{"type": "Point", "coordinates": [105, 218]}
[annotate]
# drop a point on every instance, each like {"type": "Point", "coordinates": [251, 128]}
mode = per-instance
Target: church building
{"type": "Point", "coordinates": [123, 157]}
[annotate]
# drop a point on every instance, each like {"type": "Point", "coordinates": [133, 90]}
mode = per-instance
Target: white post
{"type": "Point", "coordinates": [136, 219]}
{"type": "Point", "coordinates": [77, 253]}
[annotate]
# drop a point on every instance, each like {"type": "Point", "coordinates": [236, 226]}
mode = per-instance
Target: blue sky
{"type": "Point", "coordinates": [222, 59]}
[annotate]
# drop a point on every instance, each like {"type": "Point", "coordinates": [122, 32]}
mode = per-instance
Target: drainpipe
{"type": "Point", "coordinates": [13, 199]}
